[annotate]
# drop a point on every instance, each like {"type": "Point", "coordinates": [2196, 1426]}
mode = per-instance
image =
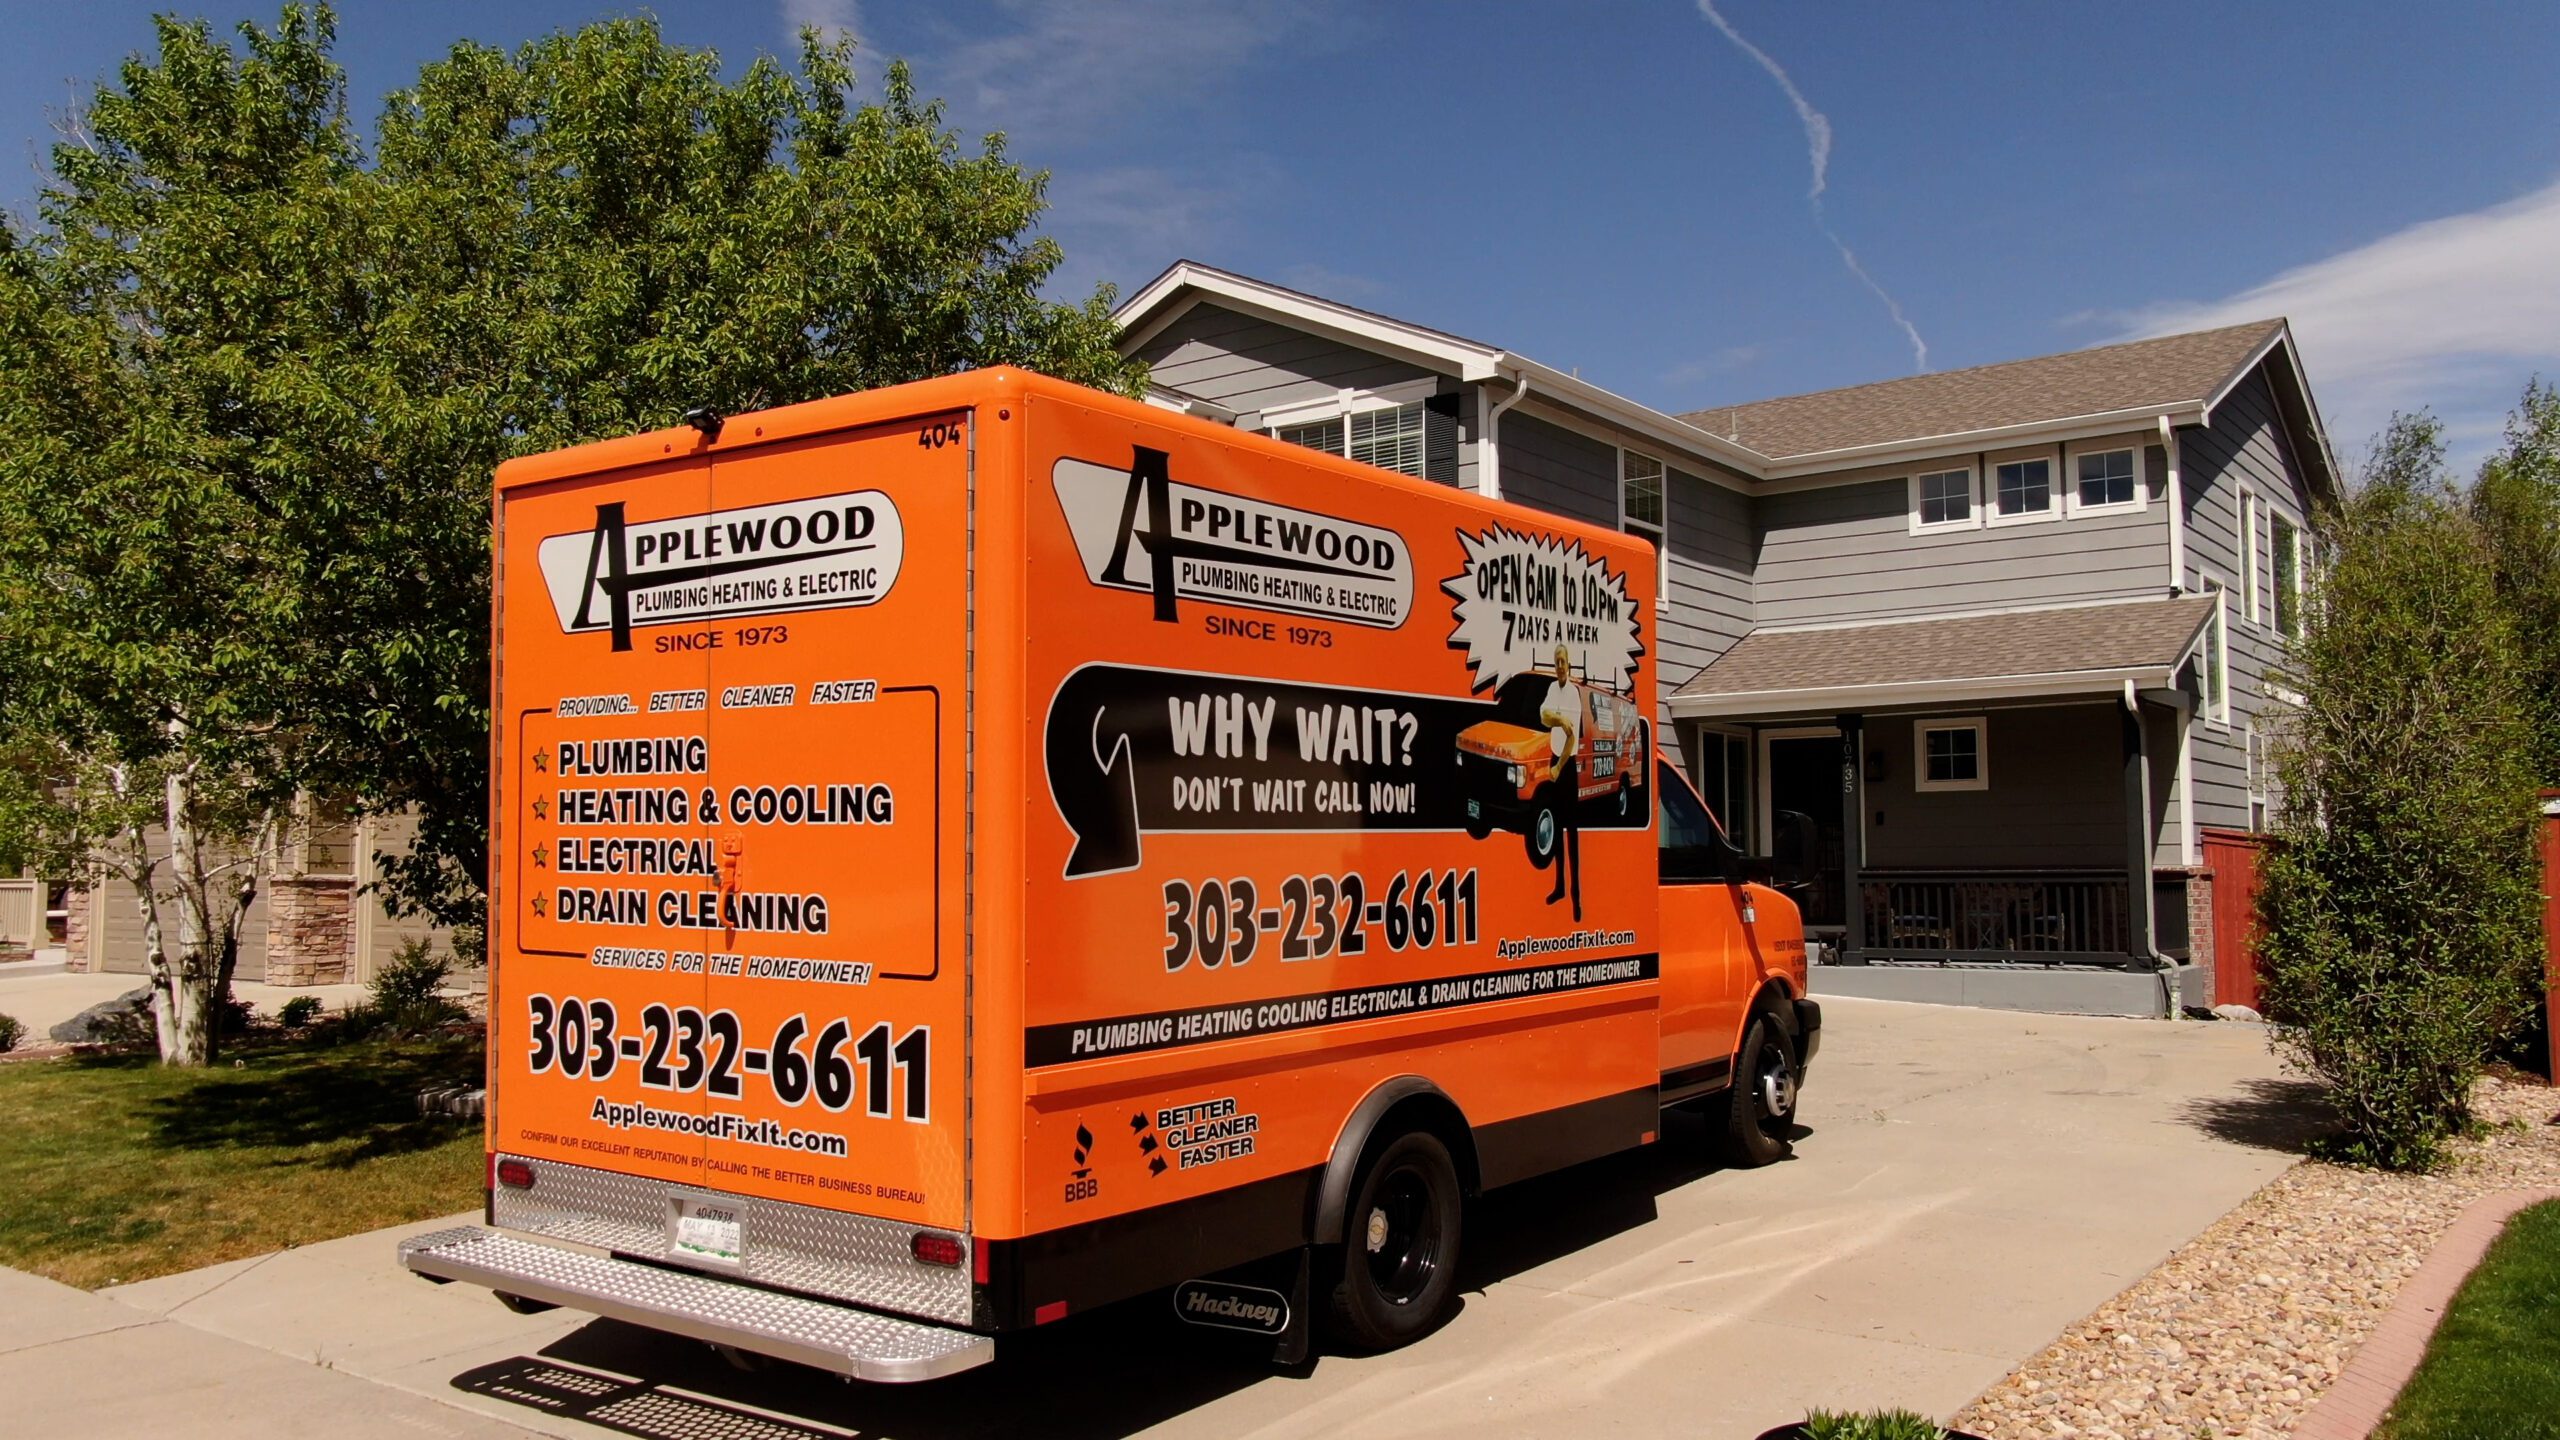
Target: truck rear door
{"type": "Point", "coordinates": [837, 790]}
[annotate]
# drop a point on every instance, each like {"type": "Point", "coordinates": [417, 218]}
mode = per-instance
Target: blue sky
{"type": "Point", "coordinates": [1627, 189]}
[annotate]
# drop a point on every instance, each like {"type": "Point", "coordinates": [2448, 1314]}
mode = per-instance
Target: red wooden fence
{"type": "Point", "coordinates": [2551, 925]}
{"type": "Point", "coordinates": [2232, 856]}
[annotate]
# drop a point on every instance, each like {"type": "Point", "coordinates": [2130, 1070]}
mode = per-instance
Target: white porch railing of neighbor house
{"type": "Point", "coordinates": [2039, 917]}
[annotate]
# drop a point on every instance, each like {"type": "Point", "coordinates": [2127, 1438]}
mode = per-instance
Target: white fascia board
{"type": "Point", "coordinates": [1847, 698]}
{"type": "Point", "coordinates": [2283, 340]}
{"type": "Point", "coordinates": [1163, 301]}
{"type": "Point", "coordinates": [1637, 418]}
{"type": "Point", "coordinates": [1810, 471]}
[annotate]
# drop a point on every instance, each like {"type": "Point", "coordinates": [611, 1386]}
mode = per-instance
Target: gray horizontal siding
{"type": "Point", "coordinates": [2056, 797]}
{"type": "Point", "coordinates": [1250, 365]}
{"type": "Point", "coordinates": [1558, 471]}
{"type": "Point", "coordinates": [2243, 448]}
{"type": "Point", "coordinates": [1845, 552]}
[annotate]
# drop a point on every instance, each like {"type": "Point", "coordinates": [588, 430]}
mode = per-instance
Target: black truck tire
{"type": "Point", "coordinates": [1395, 1275]}
{"type": "Point", "coordinates": [1758, 1116]}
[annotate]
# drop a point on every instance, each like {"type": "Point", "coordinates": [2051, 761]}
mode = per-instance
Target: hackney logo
{"type": "Point", "coordinates": [1137, 528]}
{"type": "Point", "coordinates": [823, 553]}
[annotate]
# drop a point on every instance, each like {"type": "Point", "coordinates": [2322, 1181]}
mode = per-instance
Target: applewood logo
{"type": "Point", "coordinates": [1138, 528]}
{"type": "Point", "coordinates": [826, 552]}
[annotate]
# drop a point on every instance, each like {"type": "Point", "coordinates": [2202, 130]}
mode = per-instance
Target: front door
{"type": "Point", "coordinates": [1801, 820]}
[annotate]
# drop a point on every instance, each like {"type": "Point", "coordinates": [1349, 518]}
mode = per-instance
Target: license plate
{"type": "Point", "coordinates": [708, 1230]}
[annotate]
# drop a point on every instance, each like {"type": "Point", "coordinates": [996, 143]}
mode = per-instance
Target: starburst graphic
{"type": "Point", "coordinates": [1522, 597]}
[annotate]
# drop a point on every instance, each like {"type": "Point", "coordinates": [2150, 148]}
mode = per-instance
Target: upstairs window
{"type": "Point", "coordinates": [1640, 512]}
{"type": "Point", "coordinates": [2284, 570]}
{"type": "Point", "coordinates": [2022, 489]}
{"type": "Point", "coordinates": [2213, 658]}
{"type": "Point", "coordinates": [1324, 435]}
{"type": "Point", "coordinates": [2106, 479]}
{"type": "Point", "coordinates": [1942, 500]}
{"type": "Point", "coordinates": [1390, 439]}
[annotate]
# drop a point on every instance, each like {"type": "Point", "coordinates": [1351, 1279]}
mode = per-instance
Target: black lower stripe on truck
{"type": "Point", "coordinates": [1202, 1025]}
{"type": "Point", "coordinates": [1693, 1080]}
{"type": "Point", "coordinates": [1130, 1254]}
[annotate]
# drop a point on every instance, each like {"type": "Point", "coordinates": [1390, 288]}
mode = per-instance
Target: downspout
{"type": "Point", "coordinates": [2177, 510]}
{"type": "Point", "coordinates": [1489, 451]}
{"type": "Point", "coordinates": [2162, 964]}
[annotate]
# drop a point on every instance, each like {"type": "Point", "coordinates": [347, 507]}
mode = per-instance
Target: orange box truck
{"type": "Point", "coordinates": [976, 851]}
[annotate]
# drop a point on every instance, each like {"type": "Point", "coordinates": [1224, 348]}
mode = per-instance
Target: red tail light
{"type": "Point", "coordinates": [515, 1174]}
{"type": "Point", "coordinates": [935, 1249]}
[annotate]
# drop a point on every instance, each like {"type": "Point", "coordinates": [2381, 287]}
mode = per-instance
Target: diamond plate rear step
{"type": "Point", "coordinates": [840, 1338]}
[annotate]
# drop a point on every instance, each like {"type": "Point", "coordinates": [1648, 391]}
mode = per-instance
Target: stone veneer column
{"type": "Point", "coordinates": [311, 930]}
{"type": "Point", "coordinates": [76, 905]}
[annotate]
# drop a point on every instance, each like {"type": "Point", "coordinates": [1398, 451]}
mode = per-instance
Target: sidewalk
{"type": "Point", "coordinates": [74, 1364]}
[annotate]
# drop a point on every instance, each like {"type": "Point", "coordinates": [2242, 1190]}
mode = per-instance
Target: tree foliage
{"type": "Point", "coordinates": [254, 380]}
{"type": "Point", "coordinates": [2516, 501]}
{"type": "Point", "coordinates": [2400, 900]}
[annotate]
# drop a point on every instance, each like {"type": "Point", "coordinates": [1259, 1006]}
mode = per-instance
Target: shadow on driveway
{"type": "Point", "coordinates": [1098, 1376]}
{"type": "Point", "coordinates": [2285, 1116]}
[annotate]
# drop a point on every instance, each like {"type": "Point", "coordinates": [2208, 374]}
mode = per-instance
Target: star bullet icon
{"type": "Point", "coordinates": [541, 809]}
{"type": "Point", "coordinates": [541, 857]}
{"type": "Point", "coordinates": [541, 762]}
{"type": "Point", "coordinates": [541, 906]}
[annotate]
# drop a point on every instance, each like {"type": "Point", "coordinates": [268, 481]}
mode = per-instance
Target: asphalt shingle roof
{"type": "Point", "coordinates": [2141, 635]}
{"type": "Point", "coordinates": [2170, 370]}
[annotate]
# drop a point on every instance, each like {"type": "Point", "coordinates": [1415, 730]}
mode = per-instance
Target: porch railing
{"type": "Point", "coordinates": [2039, 917]}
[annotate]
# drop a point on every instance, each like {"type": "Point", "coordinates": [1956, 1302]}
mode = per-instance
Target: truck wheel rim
{"type": "Point", "coordinates": [1402, 1236]}
{"type": "Point", "coordinates": [1776, 1087]}
{"type": "Point", "coordinates": [1546, 831]}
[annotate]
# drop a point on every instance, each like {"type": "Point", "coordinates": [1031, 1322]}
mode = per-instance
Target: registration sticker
{"type": "Point", "coordinates": [709, 1230]}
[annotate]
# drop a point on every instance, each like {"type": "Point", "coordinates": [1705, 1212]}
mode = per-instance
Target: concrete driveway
{"type": "Point", "coordinates": [1971, 1182]}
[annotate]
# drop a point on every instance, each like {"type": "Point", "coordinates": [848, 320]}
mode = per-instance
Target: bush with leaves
{"type": "Point", "coordinates": [1871, 1425]}
{"type": "Point", "coordinates": [12, 1030]}
{"type": "Point", "coordinates": [2400, 902]}
{"type": "Point", "coordinates": [298, 1012]}
{"type": "Point", "coordinates": [406, 998]}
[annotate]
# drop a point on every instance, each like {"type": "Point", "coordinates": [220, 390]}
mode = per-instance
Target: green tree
{"type": "Point", "coordinates": [169, 335]}
{"type": "Point", "coordinates": [2516, 501]}
{"type": "Point", "coordinates": [255, 381]}
{"type": "Point", "coordinates": [2400, 900]}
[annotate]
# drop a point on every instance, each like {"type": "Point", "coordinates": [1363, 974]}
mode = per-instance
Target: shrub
{"type": "Point", "coordinates": [12, 1030]}
{"type": "Point", "coordinates": [1871, 1425]}
{"type": "Point", "coordinates": [298, 1012]}
{"type": "Point", "coordinates": [406, 997]}
{"type": "Point", "coordinates": [2400, 901]}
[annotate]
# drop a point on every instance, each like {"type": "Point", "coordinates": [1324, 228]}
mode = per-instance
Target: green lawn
{"type": "Point", "coordinates": [117, 1169]}
{"type": "Point", "coordinates": [2493, 1368]}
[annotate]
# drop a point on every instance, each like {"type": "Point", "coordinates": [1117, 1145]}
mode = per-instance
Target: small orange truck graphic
{"type": "Point", "coordinates": [1515, 765]}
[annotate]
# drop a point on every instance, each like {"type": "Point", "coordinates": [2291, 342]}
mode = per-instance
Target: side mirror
{"type": "Point", "coordinates": [1759, 870]}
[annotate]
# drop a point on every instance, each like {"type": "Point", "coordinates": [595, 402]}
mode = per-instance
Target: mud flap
{"type": "Point", "coordinates": [1296, 1342]}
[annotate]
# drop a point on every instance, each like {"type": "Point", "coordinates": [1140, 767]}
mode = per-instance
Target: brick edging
{"type": "Point", "coordinates": [2390, 1355]}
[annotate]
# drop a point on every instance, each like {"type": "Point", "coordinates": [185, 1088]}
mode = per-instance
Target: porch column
{"type": "Point", "coordinates": [2137, 832]}
{"type": "Point", "coordinates": [1853, 813]}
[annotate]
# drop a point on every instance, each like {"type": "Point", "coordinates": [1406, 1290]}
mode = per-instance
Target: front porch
{"type": "Point", "coordinates": [2032, 822]}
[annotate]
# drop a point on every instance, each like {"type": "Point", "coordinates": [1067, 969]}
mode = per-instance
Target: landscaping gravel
{"type": "Point", "coordinates": [2237, 1335]}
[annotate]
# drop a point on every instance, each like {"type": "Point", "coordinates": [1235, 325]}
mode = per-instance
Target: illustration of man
{"type": "Point", "coordinates": [1561, 713]}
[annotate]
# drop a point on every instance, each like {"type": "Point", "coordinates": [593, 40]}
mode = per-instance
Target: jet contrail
{"type": "Point", "coordinates": [1817, 144]}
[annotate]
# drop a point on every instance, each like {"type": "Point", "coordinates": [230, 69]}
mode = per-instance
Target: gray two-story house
{"type": "Point", "coordinates": [1983, 658]}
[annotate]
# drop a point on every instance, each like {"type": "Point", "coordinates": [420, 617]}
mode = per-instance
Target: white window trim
{"type": "Point", "coordinates": [2052, 510]}
{"type": "Point", "coordinates": [2219, 636]}
{"type": "Point", "coordinates": [1661, 540]}
{"type": "Point", "coordinates": [1920, 732]}
{"type": "Point", "coordinates": [2071, 479]}
{"type": "Point", "coordinates": [2294, 603]}
{"type": "Point", "coordinates": [2249, 552]}
{"type": "Point", "coordinates": [1973, 508]}
{"type": "Point", "coordinates": [2255, 791]}
{"type": "Point", "coordinates": [1348, 402]}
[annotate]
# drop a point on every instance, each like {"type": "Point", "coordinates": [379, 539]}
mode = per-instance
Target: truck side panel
{"type": "Point", "coordinates": [1265, 873]}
